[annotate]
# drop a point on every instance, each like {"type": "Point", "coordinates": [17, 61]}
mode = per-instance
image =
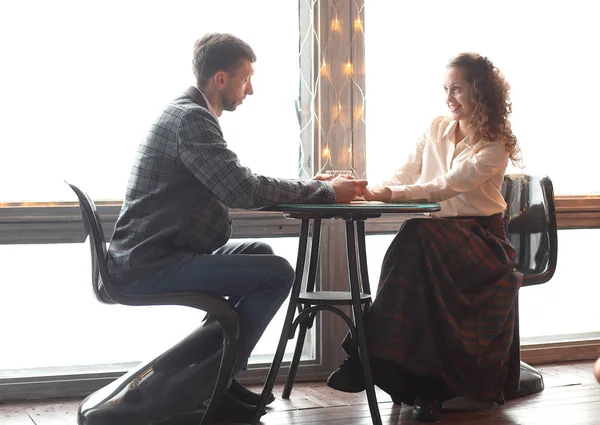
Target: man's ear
{"type": "Point", "coordinates": [219, 79]}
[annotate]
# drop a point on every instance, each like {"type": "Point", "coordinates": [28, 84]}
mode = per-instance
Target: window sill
{"type": "Point", "coordinates": [60, 222]}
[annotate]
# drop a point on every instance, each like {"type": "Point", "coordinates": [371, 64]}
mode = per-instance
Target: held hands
{"type": "Point", "coordinates": [382, 194]}
{"type": "Point", "coordinates": [346, 188]}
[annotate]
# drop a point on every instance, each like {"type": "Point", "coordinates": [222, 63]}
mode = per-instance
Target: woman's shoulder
{"type": "Point", "coordinates": [496, 147]}
{"type": "Point", "coordinates": [442, 120]}
{"type": "Point", "coordinates": [439, 126]}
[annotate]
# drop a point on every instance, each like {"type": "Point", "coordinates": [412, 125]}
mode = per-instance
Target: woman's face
{"type": "Point", "coordinates": [458, 94]}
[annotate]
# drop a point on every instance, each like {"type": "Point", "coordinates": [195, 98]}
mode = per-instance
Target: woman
{"type": "Point", "coordinates": [443, 321]}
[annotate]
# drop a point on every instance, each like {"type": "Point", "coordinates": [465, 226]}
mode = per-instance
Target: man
{"type": "Point", "coordinates": [174, 226]}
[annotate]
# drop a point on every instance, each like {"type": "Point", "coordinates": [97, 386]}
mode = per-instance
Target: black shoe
{"type": "Point", "coordinates": [427, 409]}
{"type": "Point", "coordinates": [348, 377]}
{"type": "Point", "coordinates": [232, 410]}
{"type": "Point", "coordinates": [243, 394]}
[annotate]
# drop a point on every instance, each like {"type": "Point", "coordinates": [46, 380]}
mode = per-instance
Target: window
{"type": "Point", "coordinates": [566, 307]}
{"type": "Point", "coordinates": [62, 326]}
{"type": "Point", "coordinates": [547, 53]}
{"type": "Point", "coordinates": [85, 80]}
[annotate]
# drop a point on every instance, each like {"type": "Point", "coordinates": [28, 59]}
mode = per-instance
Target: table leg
{"type": "Point", "coordinates": [308, 321]}
{"type": "Point", "coordinates": [358, 320]}
{"type": "Point", "coordinates": [362, 257]}
{"type": "Point", "coordinates": [291, 311]}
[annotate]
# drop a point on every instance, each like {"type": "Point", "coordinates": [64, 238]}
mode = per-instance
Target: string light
{"type": "Point", "coordinates": [324, 71]}
{"type": "Point", "coordinates": [338, 78]}
{"type": "Point", "coordinates": [335, 25]}
{"type": "Point", "coordinates": [358, 112]}
{"type": "Point", "coordinates": [348, 67]}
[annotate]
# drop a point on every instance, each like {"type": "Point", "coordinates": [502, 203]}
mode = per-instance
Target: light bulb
{"type": "Point", "coordinates": [335, 24]}
{"type": "Point", "coordinates": [324, 69]}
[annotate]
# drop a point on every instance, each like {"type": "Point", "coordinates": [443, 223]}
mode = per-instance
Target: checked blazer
{"type": "Point", "coordinates": [183, 182]}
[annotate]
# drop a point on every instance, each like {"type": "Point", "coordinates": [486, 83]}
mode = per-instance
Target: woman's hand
{"type": "Point", "coordinates": [382, 194]}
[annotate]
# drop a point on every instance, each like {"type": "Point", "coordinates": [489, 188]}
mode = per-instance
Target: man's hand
{"type": "Point", "coordinates": [346, 190]}
{"type": "Point", "coordinates": [382, 194]}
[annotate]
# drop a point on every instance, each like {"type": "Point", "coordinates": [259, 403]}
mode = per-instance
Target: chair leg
{"type": "Point", "coordinates": [227, 362]}
{"type": "Point", "coordinates": [532, 382]}
{"type": "Point", "coordinates": [289, 383]}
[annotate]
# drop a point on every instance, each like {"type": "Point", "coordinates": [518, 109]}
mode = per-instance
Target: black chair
{"type": "Point", "coordinates": [173, 387]}
{"type": "Point", "coordinates": [530, 225]}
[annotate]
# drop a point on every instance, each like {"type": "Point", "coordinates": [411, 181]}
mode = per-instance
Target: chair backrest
{"type": "Point", "coordinates": [101, 282]}
{"type": "Point", "coordinates": [530, 225]}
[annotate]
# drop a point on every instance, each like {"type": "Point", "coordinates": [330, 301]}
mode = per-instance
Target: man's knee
{"type": "Point", "coordinates": [283, 268]}
{"type": "Point", "coordinates": [258, 247]}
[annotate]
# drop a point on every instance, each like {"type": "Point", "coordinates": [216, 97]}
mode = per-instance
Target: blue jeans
{"type": "Point", "coordinates": [256, 282]}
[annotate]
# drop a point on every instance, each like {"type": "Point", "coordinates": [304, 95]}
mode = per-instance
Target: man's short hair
{"type": "Point", "coordinates": [219, 52]}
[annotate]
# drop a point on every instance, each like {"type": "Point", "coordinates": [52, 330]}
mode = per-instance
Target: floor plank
{"type": "Point", "coordinates": [14, 415]}
{"type": "Point", "coordinates": [571, 397]}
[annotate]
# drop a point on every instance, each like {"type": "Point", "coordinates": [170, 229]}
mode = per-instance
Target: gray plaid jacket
{"type": "Point", "coordinates": [183, 182]}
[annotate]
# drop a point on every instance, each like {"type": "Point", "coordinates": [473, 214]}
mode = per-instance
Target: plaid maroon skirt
{"type": "Point", "coordinates": [446, 306]}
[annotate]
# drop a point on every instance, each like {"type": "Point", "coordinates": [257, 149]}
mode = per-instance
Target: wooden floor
{"type": "Point", "coordinates": [571, 397]}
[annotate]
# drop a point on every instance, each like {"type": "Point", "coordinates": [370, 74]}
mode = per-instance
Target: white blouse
{"type": "Point", "coordinates": [464, 181]}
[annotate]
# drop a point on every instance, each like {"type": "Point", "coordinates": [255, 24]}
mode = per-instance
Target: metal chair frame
{"type": "Point", "coordinates": [518, 190]}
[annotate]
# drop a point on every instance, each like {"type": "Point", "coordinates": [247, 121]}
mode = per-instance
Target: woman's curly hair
{"type": "Point", "coordinates": [491, 95]}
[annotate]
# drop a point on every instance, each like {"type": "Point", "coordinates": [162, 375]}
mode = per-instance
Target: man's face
{"type": "Point", "coordinates": [237, 85]}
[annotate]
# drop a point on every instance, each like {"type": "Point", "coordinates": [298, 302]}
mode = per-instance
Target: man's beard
{"type": "Point", "coordinates": [228, 103]}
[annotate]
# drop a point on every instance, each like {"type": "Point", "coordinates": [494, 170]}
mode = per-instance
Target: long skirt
{"type": "Point", "coordinates": [445, 310]}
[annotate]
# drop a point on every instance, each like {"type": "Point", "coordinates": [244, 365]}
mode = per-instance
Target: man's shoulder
{"type": "Point", "coordinates": [189, 110]}
{"type": "Point", "coordinates": [181, 111]}
{"type": "Point", "coordinates": [185, 104]}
